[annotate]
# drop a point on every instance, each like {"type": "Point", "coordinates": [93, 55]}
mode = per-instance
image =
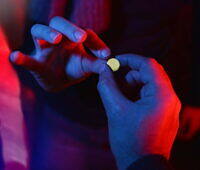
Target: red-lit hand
{"type": "Point", "coordinates": [147, 126]}
{"type": "Point", "coordinates": [60, 58]}
{"type": "Point", "coordinates": [189, 123]}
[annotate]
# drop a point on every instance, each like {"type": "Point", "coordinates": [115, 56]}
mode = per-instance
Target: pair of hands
{"type": "Point", "coordinates": [146, 126]}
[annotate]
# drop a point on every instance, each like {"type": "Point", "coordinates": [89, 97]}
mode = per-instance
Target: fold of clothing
{"type": "Point", "coordinates": [14, 151]}
{"type": "Point", "coordinates": [91, 14]}
{"type": "Point", "coordinates": [195, 87]}
{"type": "Point", "coordinates": [41, 11]}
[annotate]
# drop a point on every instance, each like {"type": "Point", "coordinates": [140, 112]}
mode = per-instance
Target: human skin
{"type": "Point", "coordinates": [60, 58]}
{"type": "Point", "coordinates": [146, 126]}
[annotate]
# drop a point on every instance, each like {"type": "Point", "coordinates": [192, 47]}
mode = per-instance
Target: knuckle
{"type": "Point", "coordinates": [89, 31]}
{"type": "Point", "coordinates": [146, 62]}
{"type": "Point", "coordinates": [151, 61]}
{"type": "Point", "coordinates": [34, 28]}
{"type": "Point", "coordinates": [173, 98]}
{"type": "Point", "coordinates": [152, 64]}
{"type": "Point", "coordinates": [161, 67]}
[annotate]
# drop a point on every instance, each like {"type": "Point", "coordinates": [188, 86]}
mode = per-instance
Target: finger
{"type": "Point", "coordinates": [133, 78]}
{"type": "Point", "coordinates": [25, 61]}
{"type": "Point", "coordinates": [132, 60]}
{"type": "Point", "coordinates": [155, 81]}
{"type": "Point", "coordinates": [90, 65]}
{"type": "Point", "coordinates": [43, 32]}
{"type": "Point", "coordinates": [110, 94]}
{"type": "Point", "coordinates": [96, 45]}
{"type": "Point", "coordinates": [72, 32]}
{"type": "Point", "coordinates": [150, 70]}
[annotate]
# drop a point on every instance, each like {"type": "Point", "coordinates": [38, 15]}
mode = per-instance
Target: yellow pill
{"type": "Point", "coordinates": [114, 64]}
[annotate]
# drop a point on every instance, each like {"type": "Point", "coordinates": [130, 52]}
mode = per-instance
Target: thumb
{"type": "Point", "coordinates": [90, 65]}
{"type": "Point", "coordinates": [112, 98]}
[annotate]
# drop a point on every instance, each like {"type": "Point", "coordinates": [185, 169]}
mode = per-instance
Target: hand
{"type": "Point", "coordinates": [148, 125]}
{"type": "Point", "coordinates": [60, 58]}
{"type": "Point", "coordinates": [189, 123]}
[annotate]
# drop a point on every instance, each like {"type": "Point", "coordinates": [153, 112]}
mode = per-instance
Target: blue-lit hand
{"type": "Point", "coordinates": [60, 58]}
{"type": "Point", "coordinates": [148, 125]}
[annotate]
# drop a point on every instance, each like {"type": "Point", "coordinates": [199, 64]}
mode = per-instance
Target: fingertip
{"type": "Point", "coordinates": [105, 53]}
{"type": "Point", "coordinates": [16, 57]}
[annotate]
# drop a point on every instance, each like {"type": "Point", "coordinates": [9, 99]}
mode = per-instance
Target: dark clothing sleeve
{"type": "Point", "coordinates": [143, 27]}
{"type": "Point", "coordinates": [195, 89]}
{"type": "Point", "coordinates": [151, 162]}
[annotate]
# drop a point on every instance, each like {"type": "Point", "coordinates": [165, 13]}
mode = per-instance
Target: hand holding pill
{"type": "Point", "coordinates": [146, 126]}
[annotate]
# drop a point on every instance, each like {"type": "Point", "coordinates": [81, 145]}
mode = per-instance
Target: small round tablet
{"type": "Point", "coordinates": [114, 64]}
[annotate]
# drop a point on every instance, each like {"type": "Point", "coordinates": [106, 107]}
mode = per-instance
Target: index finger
{"type": "Point", "coordinates": [150, 70]}
{"type": "Point", "coordinates": [71, 31]}
{"type": "Point", "coordinates": [134, 61]}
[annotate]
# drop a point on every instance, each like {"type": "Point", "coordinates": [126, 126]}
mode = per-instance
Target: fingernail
{"type": "Point", "coordinates": [14, 56]}
{"type": "Point", "coordinates": [105, 53]}
{"type": "Point", "coordinates": [56, 37]}
{"type": "Point", "coordinates": [79, 35]}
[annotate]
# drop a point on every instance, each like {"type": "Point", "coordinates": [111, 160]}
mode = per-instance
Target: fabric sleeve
{"type": "Point", "coordinates": [151, 162]}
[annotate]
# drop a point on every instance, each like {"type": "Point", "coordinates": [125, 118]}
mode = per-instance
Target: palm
{"type": "Point", "coordinates": [60, 65]}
